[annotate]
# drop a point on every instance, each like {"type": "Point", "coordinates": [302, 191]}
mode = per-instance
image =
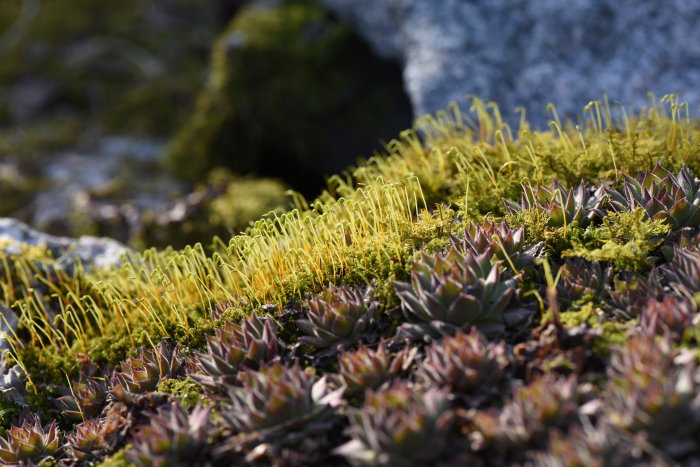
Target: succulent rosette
{"type": "Point", "coordinates": [537, 409]}
{"type": "Point", "coordinates": [662, 195]}
{"type": "Point", "coordinates": [339, 317]}
{"type": "Point", "coordinates": [280, 405]}
{"type": "Point", "coordinates": [505, 243]}
{"type": "Point", "coordinates": [653, 395]}
{"type": "Point", "coordinates": [670, 316]}
{"type": "Point", "coordinates": [235, 346]}
{"type": "Point", "coordinates": [583, 205]}
{"type": "Point", "coordinates": [399, 426]}
{"type": "Point", "coordinates": [88, 443]}
{"type": "Point", "coordinates": [465, 363]}
{"type": "Point", "coordinates": [84, 399]}
{"type": "Point", "coordinates": [457, 291]}
{"type": "Point", "coordinates": [684, 271]}
{"type": "Point", "coordinates": [367, 368]}
{"type": "Point", "coordinates": [144, 373]}
{"type": "Point", "coordinates": [579, 279]}
{"type": "Point", "coordinates": [30, 443]}
{"type": "Point", "coordinates": [630, 293]}
{"type": "Point", "coordinates": [173, 437]}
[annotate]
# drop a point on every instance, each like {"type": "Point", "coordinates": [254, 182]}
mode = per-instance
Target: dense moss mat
{"type": "Point", "coordinates": [292, 94]}
{"type": "Point", "coordinates": [379, 225]}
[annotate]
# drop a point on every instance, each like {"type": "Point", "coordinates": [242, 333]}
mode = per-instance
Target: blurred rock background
{"type": "Point", "coordinates": [165, 122]}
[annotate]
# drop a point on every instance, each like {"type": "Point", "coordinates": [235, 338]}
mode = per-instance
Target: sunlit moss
{"type": "Point", "coordinates": [366, 229]}
{"type": "Point", "coordinates": [625, 239]}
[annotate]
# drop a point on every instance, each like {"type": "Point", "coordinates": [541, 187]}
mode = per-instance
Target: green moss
{"type": "Point", "coordinates": [8, 412]}
{"type": "Point", "coordinates": [118, 460]}
{"type": "Point", "coordinates": [587, 314]}
{"type": "Point", "coordinates": [230, 204]}
{"type": "Point", "coordinates": [187, 391]}
{"type": "Point", "coordinates": [612, 333]}
{"type": "Point", "coordinates": [625, 239]}
{"type": "Point", "coordinates": [244, 200]}
{"type": "Point", "coordinates": [39, 399]}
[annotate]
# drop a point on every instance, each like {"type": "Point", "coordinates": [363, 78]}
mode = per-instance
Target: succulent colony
{"type": "Point", "coordinates": [397, 320]}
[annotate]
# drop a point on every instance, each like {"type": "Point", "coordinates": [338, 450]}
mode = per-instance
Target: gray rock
{"type": "Point", "coordinates": [8, 326]}
{"type": "Point", "coordinates": [12, 379]}
{"type": "Point", "coordinates": [93, 252]}
{"type": "Point", "coordinates": [533, 52]}
{"type": "Point", "coordinates": [12, 382]}
{"type": "Point", "coordinates": [81, 184]}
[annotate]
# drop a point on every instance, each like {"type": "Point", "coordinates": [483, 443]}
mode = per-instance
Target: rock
{"type": "Point", "coordinates": [81, 183]}
{"type": "Point", "coordinates": [93, 252]}
{"type": "Point", "coordinates": [8, 326]}
{"type": "Point", "coordinates": [12, 382]}
{"type": "Point", "coordinates": [530, 53]}
{"type": "Point", "coordinates": [292, 94]}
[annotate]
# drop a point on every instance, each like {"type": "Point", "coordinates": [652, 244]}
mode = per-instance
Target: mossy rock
{"type": "Point", "coordinates": [292, 94]}
{"type": "Point", "coordinates": [231, 204]}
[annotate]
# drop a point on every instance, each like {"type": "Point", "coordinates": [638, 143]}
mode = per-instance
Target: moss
{"type": "Point", "coordinates": [244, 200]}
{"type": "Point", "coordinates": [39, 399]}
{"type": "Point", "coordinates": [625, 239]}
{"type": "Point", "coordinates": [8, 412]}
{"type": "Point", "coordinates": [187, 391]}
{"type": "Point", "coordinates": [229, 205]}
{"type": "Point", "coordinates": [431, 229]}
{"type": "Point", "coordinates": [612, 333]}
{"type": "Point", "coordinates": [45, 367]}
{"type": "Point", "coordinates": [585, 315]}
{"type": "Point", "coordinates": [288, 96]}
{"type": "Point", "coordinates": [118, 460]}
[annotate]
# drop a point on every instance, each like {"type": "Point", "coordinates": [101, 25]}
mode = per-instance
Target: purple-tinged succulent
{"type": "Point", "coordinates": [236, 346]}
{"type": "Point", "coordinates": [366, 368]}
{"type": "Point", "coordinates": [582, 205]}
{"type": "Point", "coordinates": [684, 239]}
{"type": "Point", "coordinates": [642, 360]}
{"type": "Point", "coordinates": [579, 279]}
{"type": "Point", "coordinates": [399, 426]}
{"type": "Point", "coordinates": [280, 405]}
{"type": "Point", "coordinates": [30, 443]}
{"type": "Point", "coordinates": [88, 443]}
{"type": "Point", "coordinates": [653, 394]}
{"type": "Point", "coordinates": [505, 243]}
{"type": "Point", "coordinates": [672, 316]}
{"type": "Point", "coordinates": [465, 363]}
{"type": "Point", "coordinates": [339, 317]}
{"type": "Point", "coordinates": [631, 292]}
{"type": "Point", "coordinates": [173, 437]}
{"type": "Point", "coordinates": [662, 195]}
{"type": "Point", "coordinates": [684, 271]}
{"type": "Point", "coordinates": [143, 374]}
{"type": "Point", "coordinates": [546, 404]}
{"type": "Point", "coordinates": [457, 291]}
{"type": "Point", "coordinates": [84, 399]}
{"type": "Point", "coordinates": [592, 446]}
